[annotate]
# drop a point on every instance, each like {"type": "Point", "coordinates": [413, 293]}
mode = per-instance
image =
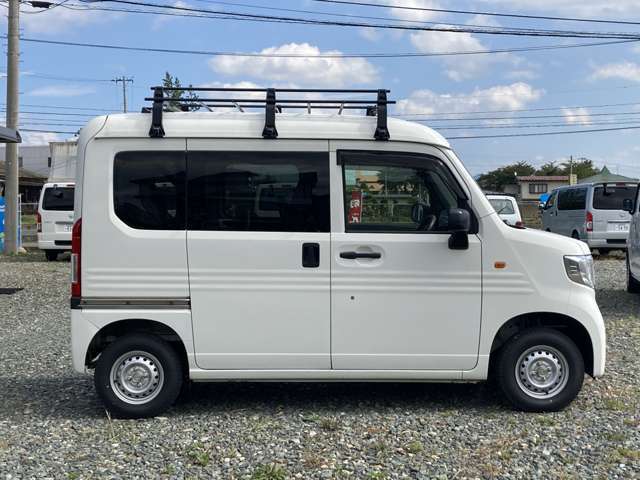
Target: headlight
{"type": "Point", "coordinates": [580, 269]}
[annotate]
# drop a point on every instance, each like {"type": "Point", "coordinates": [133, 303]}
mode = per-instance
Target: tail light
{"type": "Point", "coordinates": [39, 222]}
{"type": "Point", "coordinates": [589, 222]}
{"type": "Point", "coordinates": [76, 246]}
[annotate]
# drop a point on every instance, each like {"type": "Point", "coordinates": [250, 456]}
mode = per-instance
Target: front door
{"type": "Point", "coordinates": [401, 299]}
{"type": "Point", "coordinates": [258, 246]}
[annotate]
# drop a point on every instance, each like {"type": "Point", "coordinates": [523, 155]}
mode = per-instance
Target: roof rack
{"type": "Point", "coordinates": [270, 104]}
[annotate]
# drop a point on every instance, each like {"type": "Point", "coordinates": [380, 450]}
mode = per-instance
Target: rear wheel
{"type": "Point", "coordinates": [633, 285]}
{"type": "Point", "coordinates": [575, 235]}
{"type": "Point", "coordinates": [138, 376]}
{"type": "Point", "coordinates": [51, 255]}
{"type": "Point", "coordinates": [603, 251]}
{"type": "Point", "coordinates": [540, 370]}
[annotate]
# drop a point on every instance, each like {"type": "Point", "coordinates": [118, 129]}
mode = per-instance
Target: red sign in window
{"type": "Point", "coordinates": [355, 207]}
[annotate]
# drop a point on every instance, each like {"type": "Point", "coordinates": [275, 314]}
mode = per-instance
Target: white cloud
{"type": "Point", "coordinates": [576, 116]}
{"type": "Point", "coordinates": [162, 20]}
{"type": "Point", "coordinates": [61, 19]}
{"type": "Point", "coordinates": [414, 15]}
{"type": "Point", "coordinates": [501, 97]}
{"type": "Point", "coordinates": [308, 69]}
{"type": "Point", "coordinates": [623, 70]}
{"type": "Point", "coordinates": [522, 74]}
{"type": "Point", "coordinates": [62, 91]}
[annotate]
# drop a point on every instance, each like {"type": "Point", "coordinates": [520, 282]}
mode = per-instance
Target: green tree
{"type": "Point", "coordinates": [178, 96]}
{"type": "Point", "coordinates": [550, 168]}
{"type": "Point", "coordinates": [582, 167]}
{"type": "Point", "coordinates": [496, 180]}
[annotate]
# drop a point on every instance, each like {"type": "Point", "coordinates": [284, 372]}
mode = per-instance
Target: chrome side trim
{"type": "Point", "coordinates": [159, 303]}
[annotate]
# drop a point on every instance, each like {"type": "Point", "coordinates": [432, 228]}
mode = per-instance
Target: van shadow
{"type": "Point", "coordinates": [73, 397]}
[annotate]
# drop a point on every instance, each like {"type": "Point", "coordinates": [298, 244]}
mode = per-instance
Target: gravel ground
{"type": "Point", "coordinates": [52, 424]}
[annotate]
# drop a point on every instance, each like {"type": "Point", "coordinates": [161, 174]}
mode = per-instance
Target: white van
{"type": "Point", "coordinates": [507, 209]}
{"type": "Point", "coordinates": [213, 246]}
{"type": "Point", "coordinates": [55, 218]}
{"type": "Point", "coordinates": [633, 244]}
{"type": "Point", "coordinates": [592, 212]}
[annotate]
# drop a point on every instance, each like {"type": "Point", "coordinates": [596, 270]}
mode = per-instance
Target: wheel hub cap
{"type": "Point", "coordinates": [542, 372]}
{"type": "Point", "coordinates": [137, 377]}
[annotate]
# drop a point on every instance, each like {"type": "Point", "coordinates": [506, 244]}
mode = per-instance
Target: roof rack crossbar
{"type": "Point", "coordinates": [270, 103]}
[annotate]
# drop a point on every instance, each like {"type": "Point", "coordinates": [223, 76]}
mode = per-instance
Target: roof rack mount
{"type": "Point", "coordinates": [377, 108]}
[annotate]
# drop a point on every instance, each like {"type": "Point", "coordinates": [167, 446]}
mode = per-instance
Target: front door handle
{"type": "Point", "coordinates": [354, 255]}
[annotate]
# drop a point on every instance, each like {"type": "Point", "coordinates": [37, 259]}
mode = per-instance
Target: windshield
{"type": "Point", "coordinates": [502, 205]}
{"type": "Point", "coordinates": [58, 198]}
{"type": "Point", "coordinates": [611, 197]}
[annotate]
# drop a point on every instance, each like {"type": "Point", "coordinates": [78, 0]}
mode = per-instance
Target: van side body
{"type": "Point", "coordinates": [307, 280]}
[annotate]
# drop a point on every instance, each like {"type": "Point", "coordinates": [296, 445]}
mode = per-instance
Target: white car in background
{"type": "Point", "coordinates": [507, 209]}
{"type": "Point", "coordinates": [55, 218]}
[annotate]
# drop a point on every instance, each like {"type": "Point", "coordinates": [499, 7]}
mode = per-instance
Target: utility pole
{"type": "Point", "coordinates": [570, 168]}
{"type": "Point", "coordinates": [11, 222]}
{"type": "Point", "coordinates": [124, 81]}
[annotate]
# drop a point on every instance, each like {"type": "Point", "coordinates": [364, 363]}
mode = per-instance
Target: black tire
{"type": "Point", "coordinates": [170, 370]}
{"type": "Point", "coordinates": [604, 251]}
{"type": "Point", "coordinates": [567, 387]}
{"type": "Point", "coordinates": [633, 285]}
{"type": "Point", "coordinates": [51, 255]}
{"type": "Point", "coordinates": [575, 235]}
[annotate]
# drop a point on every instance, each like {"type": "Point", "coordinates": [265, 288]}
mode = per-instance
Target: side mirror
{"type": "Point", "coordinates": [628, 205]}
{"type": "Point", "coordinates": [459, 224]}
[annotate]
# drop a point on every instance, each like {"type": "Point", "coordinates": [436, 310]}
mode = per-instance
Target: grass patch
{"type": "Point", "coordinates": [546, 421]}
{"type": "Point", "coordinates": [269, 472]}
{"type": "Point", "coordinates": [329, 424]}
{"type": "Point", "coordinates": [614, 404]}
{"type": "Point", "coordinates": [199, 455]}
{"type": "Point", "coordinates": [414, 447]}
{"type": "Point", "coordinates": [615, 437]}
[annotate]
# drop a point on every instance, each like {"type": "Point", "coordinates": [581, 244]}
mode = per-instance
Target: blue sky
{"type": "Point", "coordinates": [443, 85]}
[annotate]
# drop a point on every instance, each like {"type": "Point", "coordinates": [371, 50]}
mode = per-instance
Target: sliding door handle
{"type": "Point", "coordinates": [354, 255]}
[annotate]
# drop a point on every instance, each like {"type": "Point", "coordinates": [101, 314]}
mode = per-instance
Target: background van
{"type": "Point", "coordinates": [55, 218]}
{"type": "Point", "coordinates": [633, 245]}
{"type": "Point", "coordinates": [593, 213]}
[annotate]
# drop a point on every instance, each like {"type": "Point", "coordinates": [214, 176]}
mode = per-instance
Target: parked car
{"type": "Point", "coordinates": [270, 247]}
{"type": "Point", "coordinates": [55, 218]}
{"type": "Point", "coordinates": [507, 209]}
{"type": "Point", "coordinates": [593, 213]}
{"type": "Point", "coordinates": [633, 244]}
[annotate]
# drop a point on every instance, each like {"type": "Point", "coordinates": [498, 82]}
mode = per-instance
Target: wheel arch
{"type": "Point", "coordinates": [111, 332]}
{"type": "Point", "coordinates": [571, 327]}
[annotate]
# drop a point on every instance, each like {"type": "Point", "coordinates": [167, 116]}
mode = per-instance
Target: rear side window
{"type": "Point", "coordinates": [148, 189]}
{"type": "Point", "coordinates": [572, 199]}
{"type": "Point", "coordinates": [259, 191]}
{"type": "Point", "coordinates": [612, 197]}
{"type": "Point", "coordinates": [58, 199]}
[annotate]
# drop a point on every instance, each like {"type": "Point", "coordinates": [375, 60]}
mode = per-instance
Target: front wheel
{"type": "Point", "coordinates": [138, 376]}
{"type": "Point", "coordinates": [540, 370]}
{"type": "Point", "coordinates": [51, 255]}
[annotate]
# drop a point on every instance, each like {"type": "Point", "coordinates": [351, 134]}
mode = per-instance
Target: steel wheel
{"type": "Point", "coordinates": [137, 377]}
{"type": "Point", "coordinates": [542, 372]}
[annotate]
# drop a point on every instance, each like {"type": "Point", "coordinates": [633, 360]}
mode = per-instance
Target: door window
{"type": "Point", "coordinates": [259, 191]}
{"type": "Point", "coordinates": [572, 199]}
{"type": "Point", "coordinates": [148, 189]}
{"type": "Point", "coordinates": [551, 201]}
{"type": "Point", "coordinates": [382, 191]}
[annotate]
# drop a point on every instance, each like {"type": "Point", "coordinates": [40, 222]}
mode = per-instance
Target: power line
{"type": "Point", "coordinates": [54, 113]}
{"type": "Point", "coordinates": [48, 131]}
{"type": "Point", "coordinates": [435, 28]}
{"type": "Point", "coordinates": [63, 107]}
{"type": "Point", "coordinates": [214, 53]}
{"type": "Point", "coordinates": [539, 134]}
{"type": "Point", "coordinates": [480, 13]}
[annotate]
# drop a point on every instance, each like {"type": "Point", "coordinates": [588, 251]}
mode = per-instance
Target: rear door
{"type": "Point", "coordinates": [400, 298]}
{"type": "Point", "coordinates": [610, 220]}
{"type": "Point", "coordinates": [258, 244]}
